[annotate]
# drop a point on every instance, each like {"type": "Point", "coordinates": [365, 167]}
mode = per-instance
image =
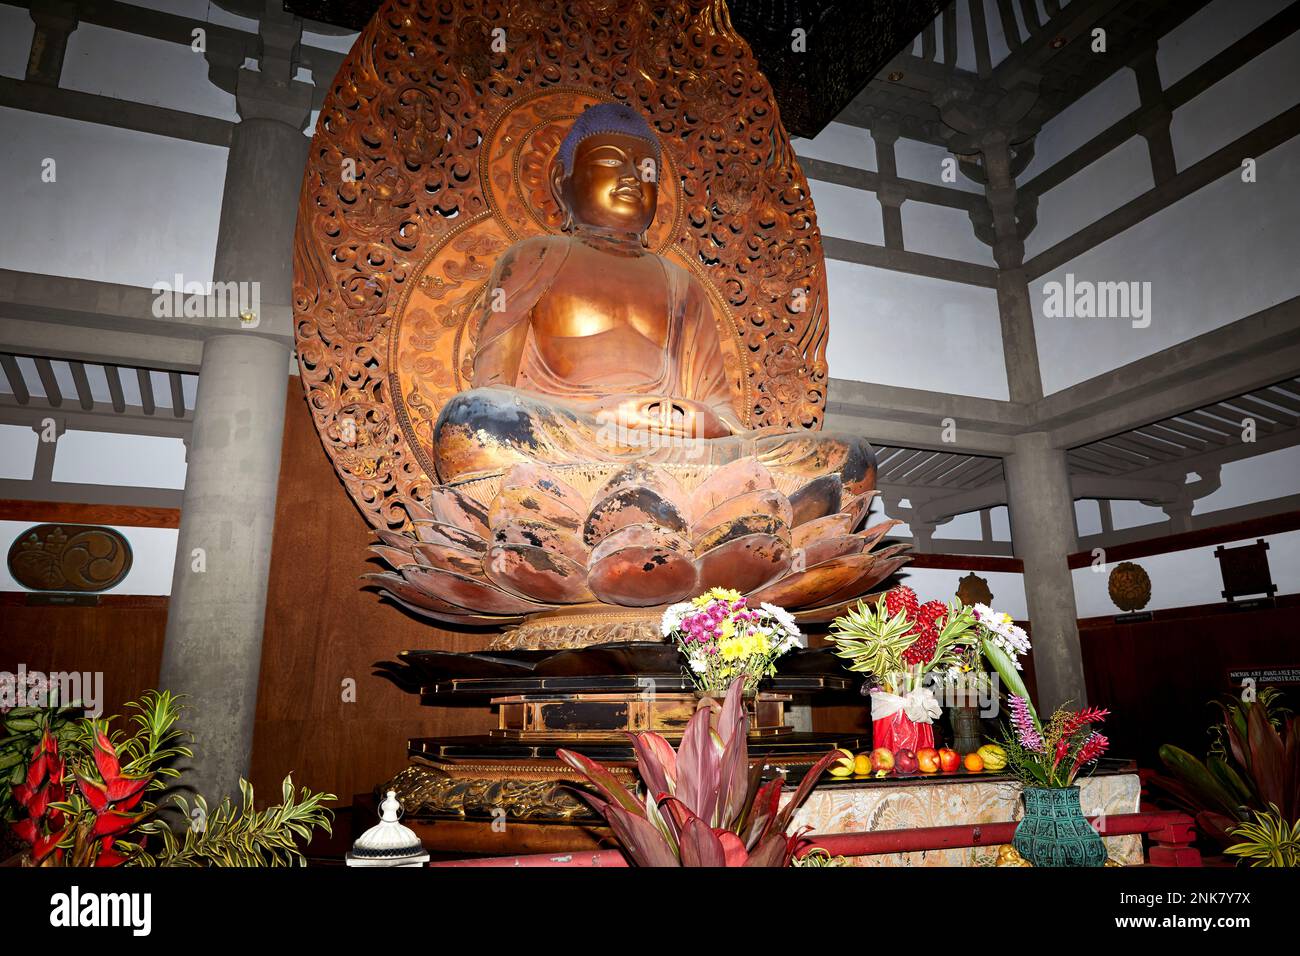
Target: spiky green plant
{"type": "Point", "coordinates": [874, 641]}
{"type": "Point", "coordinates": [237, 837]}
{"type": "Point", "coordinates": [1268, 840]}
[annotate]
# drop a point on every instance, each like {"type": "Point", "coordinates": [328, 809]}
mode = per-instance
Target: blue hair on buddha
{"type": "Point", "coordinates": [605, 118]}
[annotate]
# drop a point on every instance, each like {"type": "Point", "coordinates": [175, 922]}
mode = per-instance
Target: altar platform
{"type": "Point", "coordinates": [864, 805]}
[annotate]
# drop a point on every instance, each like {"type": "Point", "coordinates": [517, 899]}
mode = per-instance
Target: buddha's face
{"type": "Point", "coordinates": [612, 185]}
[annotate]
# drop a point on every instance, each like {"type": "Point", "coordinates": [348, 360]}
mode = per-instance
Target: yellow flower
{"type": "Point", "coordinates": [727, 629]}
{"type": "Point", "coordinates": [722, 594]}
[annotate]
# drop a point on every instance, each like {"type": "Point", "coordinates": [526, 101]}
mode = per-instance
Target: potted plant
{"type": "Point", "coordinates": [95, 797]}
{"type": "Point", "coordinates": [703, 804]}
{"type": "Point", "coordinates": [1047, 758]}
{"type": "Point", "coordinates": [899, 642]}
{"type": "Point", "coordinates": [1252, 769]}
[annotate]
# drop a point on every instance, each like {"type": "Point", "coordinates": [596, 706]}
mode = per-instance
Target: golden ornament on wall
{"type": "Point", "coordinates": [1129, 586]}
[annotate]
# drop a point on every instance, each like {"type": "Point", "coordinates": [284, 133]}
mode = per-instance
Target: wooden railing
{"type": "Point", "coordinates": [1171, 836]}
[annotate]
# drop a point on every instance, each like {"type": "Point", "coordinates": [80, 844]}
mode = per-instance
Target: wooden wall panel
{"type": "Point", "coordinates": [122, 639]}
{"type": "Point", "coordinates": [322, 629]}
{"type": "Point", "coordinates": [1158, 677]}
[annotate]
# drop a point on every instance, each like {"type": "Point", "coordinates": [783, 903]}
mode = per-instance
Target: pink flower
{"type": "Point", "coordinates": [1028, 735]}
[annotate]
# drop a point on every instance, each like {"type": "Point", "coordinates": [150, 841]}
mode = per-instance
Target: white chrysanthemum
{"type": "Point", "coordinates": [673, 615]}
{"type": "Point", "coordinates": [782, 617]}
{"type": "Point", "coordinates": [699, 665]}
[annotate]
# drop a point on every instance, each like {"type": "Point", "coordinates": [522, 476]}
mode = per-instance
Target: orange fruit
{"type": "Point", "coordinates": [973, 762]}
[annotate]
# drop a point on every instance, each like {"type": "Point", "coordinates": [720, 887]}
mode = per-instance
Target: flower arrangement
{"type": "Point", "coordinates": [899, 640]}
{"type": "Point", "coordinates": [723, 638]}
{"type": "Point", "coordinates": [1051, 755]}
{"type": "Point", "coordinates": [1040, 755]}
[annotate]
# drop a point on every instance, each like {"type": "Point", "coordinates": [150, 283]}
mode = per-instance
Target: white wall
{"type": "Point", "coordinates": [17, 451]}
{"type": "Point", "coordinates": [1223, 253]}
{"type": "Point", "coordinates": [102, 458]}
{"type": "Point", "coordinates": [16, 28]}
{"type": "Point", "coordinates": [839, 143]}
{"type": "Point", "coordinates": [153, 552]}
{"type": "Point", "coordinates": [899, 329]}
{"type": "Point", "coordinates": [125, 207]}
{"type": "Point", "coordinates": [107, 62]}
{"type": "Point", "coordinates": [1262, 478]}
{"type": "Point", "coordinates": [847, 213]}
{"type": "Point", "coordinates": [1185, 578]}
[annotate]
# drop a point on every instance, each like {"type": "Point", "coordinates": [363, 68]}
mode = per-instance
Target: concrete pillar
{"type": "Point", "coordinates": [1043, 536]}
{"type": "Point", "coordinates": [218, 601]}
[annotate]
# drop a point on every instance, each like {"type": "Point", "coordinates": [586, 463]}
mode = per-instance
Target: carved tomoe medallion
{"type": "Point", "coordinates": [56, 557]}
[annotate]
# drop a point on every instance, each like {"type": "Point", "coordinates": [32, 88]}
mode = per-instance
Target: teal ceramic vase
{"type": "Point", "coordinates": [1054, 831]}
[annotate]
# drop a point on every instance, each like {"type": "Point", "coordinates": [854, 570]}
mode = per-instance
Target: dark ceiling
{"type": "Point", "coordinates": [847, 43]}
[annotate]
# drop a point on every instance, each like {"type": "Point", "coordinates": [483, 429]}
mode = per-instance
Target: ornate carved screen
{"type": "Point", "coordinates": [430, 158]}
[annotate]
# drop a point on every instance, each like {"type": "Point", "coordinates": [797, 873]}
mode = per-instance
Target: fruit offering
{"type": "Point", "coordinates": [994, 757]}
{"type": "Point", "coordinates": [927, 759]}
{"type": "Point", "coordinates": [862, 765]}
{"type": "Point", "coordinates": [843, 766]}
{"type": "Point", "coordinates": [973, 762]}
{"type": "Point", "coordinates": [905, 761]}
{"type": "Point", "coordinates": [882, 760]}
{"type": "Point", "coordinates": [949, 760]}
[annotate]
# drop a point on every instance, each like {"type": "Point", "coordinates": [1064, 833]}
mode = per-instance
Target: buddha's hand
{"type": "Point", "coordinates": [660, 415]}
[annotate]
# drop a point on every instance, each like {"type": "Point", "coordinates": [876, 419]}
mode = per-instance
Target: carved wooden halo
{"type": "Point", "coordinates": [390, 260]}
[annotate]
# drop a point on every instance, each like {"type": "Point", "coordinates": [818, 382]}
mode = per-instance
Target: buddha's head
{"type": "Point", "coordinates": [606, 172]}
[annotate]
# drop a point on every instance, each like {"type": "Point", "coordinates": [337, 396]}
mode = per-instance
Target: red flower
{"type": "Point", "coordinates": [1090, 715]}
{"type": "Point", "coordinates": [1092, 748]}
{"type": "Point", "coordinates": [106, 757]}
{"type": "Point", "coordinates": [932, 612]}
{"type": "Point", "coordinates": [107, 855]}
{"type": "Point", "coordinates": [901, 598]}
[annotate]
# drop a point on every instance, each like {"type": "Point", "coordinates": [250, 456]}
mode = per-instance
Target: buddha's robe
{"type": "Point", "coordinates": [540, 396]}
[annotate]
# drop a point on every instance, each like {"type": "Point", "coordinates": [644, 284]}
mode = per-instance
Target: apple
{"type": "Point", "coordinates": [974, 762]}
{"type": "Point", "coordinates": [927, 759]}
{"type": "Point", "coordinates": [905, 761]}
{"type": "Point", "coordinates": [949, 760]}
{"type": "Point", "coordinates": [882, 760]}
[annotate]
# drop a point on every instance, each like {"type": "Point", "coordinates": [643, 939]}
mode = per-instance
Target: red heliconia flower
{"type": "Point", "coordinates": [106, 757]}
{"type": "Point", "coordinates": [26, 830]}
{"type": "Point", "coordinates": [107, 855]}
{"type": "Point", "coordinates": [43, 846]}
{"type": "Point", "coordinates": [1092, 748]}
{"type": "Point", "coordinates": [901, 598]}
{"type": "Point", "coordinates": [111, 823]}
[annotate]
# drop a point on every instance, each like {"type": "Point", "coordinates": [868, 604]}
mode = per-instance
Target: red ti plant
{"type": "Point", "coordinates": [703, 804]}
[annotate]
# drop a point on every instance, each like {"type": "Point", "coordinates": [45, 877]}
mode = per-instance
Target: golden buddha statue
{"type": "Point", "coordinates": [593, 348]}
